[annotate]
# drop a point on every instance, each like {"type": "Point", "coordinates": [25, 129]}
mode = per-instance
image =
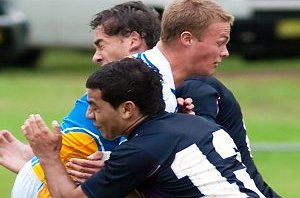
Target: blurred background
{"type": "Point", "coordinates": [262, 28]}
{"type": "Point", "coordinates": [45, 58]}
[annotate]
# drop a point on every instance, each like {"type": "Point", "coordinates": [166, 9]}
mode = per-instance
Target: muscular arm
{"type": "Point", "coordinates": [59, 182]}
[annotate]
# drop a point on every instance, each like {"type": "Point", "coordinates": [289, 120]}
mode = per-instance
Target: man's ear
{"type": "Point", "coordinates": [186, 38]}
{"type": "Point", "coordinates": [137, 42]}
{"type": "Point", "coordinates": [127, 110]}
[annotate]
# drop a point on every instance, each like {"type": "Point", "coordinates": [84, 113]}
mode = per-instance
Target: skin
{"type": "Point", "coordinates": [46, 144]}
{"type": "Point", "coordinates": [112, 122]}
{"type": "Point", "coordinates": [111, 48]}
{"type": "Point", "coordinates": [202, 56]}
{"type": "Point", "coordinates": [107, 49]}
{"type": "Point", "coordinates": [13, 153]}
{"type": "Point", "coordinates": [39, 136]}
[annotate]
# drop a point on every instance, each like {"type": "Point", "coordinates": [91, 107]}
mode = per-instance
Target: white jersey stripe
{"type": "Point", "coordinates": [191, 162]}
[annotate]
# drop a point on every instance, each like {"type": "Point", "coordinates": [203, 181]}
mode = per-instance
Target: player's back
{"type": "Point", "coordinates": [195, 157]}
{"type": "Point", "coordinates": [214, 101]}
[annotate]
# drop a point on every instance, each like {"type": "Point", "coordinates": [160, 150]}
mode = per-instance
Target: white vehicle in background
{"type": "Point", "coordinates": [262, 27]}
{"type": "Point", "coordinates": [61, 24]}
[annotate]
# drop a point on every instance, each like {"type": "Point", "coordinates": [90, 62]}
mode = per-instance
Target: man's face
{"type": "Point", "coordinates": [209, 51]}
{"type": "Point", "coordinates": [107, 119]}
{"type": "Point", "coordinates": [109, 48]}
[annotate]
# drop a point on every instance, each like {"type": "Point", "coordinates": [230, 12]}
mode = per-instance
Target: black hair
{"type": "Point", "coordinates": [129, 79]}
{"type": "Point", "coordinates": [127, 17]}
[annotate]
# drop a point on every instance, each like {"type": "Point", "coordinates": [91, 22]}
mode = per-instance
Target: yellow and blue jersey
{"type": "Point", "coordinates": [76, 143]}
{"type": "Point", "coordinates": [81, 138]}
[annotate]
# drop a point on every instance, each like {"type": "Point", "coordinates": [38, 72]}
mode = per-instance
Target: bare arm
{"type": "Point", "coordinates": [46, 146]}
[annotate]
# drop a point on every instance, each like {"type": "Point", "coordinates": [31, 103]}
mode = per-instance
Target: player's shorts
{"type": "Point", "coordinates": [27, 184]}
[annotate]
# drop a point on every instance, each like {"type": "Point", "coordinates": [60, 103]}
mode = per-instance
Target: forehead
{"type": "Point", "coordinates": [94, 95]}
{"type": "Point", "coordinates": [100, 35]}
{"type": "Point", "coordinates": [218, 29]}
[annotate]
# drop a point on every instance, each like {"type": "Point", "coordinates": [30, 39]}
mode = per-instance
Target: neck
{"type": "Point", "coordinates": [168, 50]}
{"type": "Point", "coordinates": [129, 129]}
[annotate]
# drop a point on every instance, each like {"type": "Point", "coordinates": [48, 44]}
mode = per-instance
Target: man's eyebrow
{"type": "Point", "coordinates": [96, 42]}
{"type": "Point", "coordinates": [90, 102]}
{"type": "Point", "coordinates": [225, 39]}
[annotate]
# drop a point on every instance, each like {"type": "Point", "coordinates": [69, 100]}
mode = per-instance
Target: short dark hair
{"type": "Point", "coordinates": [129, 79]}
{"type": "Point", "coordinates": [127, 17]}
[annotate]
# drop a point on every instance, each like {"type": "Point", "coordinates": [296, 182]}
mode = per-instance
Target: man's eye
{"type": "Point", "coordinates": [96, 109]}
{"type": "Point", "coordinates": [101, 47]}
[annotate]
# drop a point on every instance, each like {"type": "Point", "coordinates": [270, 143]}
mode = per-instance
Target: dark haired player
{"type": "Point", "coordinates": [165, 155]}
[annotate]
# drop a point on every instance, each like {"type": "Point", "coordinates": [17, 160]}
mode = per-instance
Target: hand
{"type": "Point", "coordinates": [45, 145]}
{"type": "Point", "coordinates": [185, 106]}
{"type": "Point", "coordinates": [13, 153]}
{"type": "Point", "coordinates": [81, 169]}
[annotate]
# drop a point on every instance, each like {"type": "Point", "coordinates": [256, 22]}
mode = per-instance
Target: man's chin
{"type": "Point", "coordinates": [106, 136]}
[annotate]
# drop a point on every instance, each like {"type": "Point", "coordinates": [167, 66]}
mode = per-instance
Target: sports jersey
{"type": "Point", "coordinates": [174, 155]}
{"type": "Point", "coordinates": [76, 143]}
{"type": "Point", "coordinates": [158, 62]}
{"type": "Point", "coordinates": [215, 102]}
{"type": "Point", "coordinates": [81, 138]}
{"type": "Point", "coordinates": [77, 119]}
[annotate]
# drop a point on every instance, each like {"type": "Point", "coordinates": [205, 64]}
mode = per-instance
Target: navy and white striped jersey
{"type": "Point", "coordinates": [174, 155]}
{"type": "Point", "coordinates": [215, 102]}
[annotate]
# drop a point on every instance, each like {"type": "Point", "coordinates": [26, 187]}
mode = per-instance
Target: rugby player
{"type": "Point", "coordinates": [165, 155]}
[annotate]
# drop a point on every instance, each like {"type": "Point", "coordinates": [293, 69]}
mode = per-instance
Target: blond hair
{"type": "Point", "coordinates": [194, 16]}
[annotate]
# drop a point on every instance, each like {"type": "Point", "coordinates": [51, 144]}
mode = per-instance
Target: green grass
{"type": "Point", "coordinates": [268, 92]}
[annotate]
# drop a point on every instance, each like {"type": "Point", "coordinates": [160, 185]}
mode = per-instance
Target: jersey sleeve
{"type": "Point", "coordinates": [127, 167]}
{"type": "Point", "coordinates": [77, 120]}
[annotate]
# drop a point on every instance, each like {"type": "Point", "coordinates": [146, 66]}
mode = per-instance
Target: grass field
{"type": "Point", "coordinates": [268, 92]}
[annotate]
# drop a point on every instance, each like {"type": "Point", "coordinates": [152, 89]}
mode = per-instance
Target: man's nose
{"type": "Point", "coordinates": [89, 113]}
{"type": "Point", "coordinates": [97, 58]}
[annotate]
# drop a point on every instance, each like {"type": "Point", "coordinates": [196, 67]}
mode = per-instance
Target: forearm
{"type": "Point", "coordinates": [59, 182]}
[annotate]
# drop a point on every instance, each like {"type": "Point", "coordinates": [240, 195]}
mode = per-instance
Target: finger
{"type": "Point", "coordinates": [3, 140]}
{"type": "Point", "coordinates": [191, 113]}
{"type": "Point", "coordinates": [75, 167]}
{"type": "Point", "coordinates": [180, 101]}
{"type": "Point", "coordinates": [8, 136]}
{"type": "Point", "coordinates": [189, 107]}
{"type": "Point", "coordinates": [56, 127]}
{"type": "Point", "coordinates": [95, 156]}
{"type": "Point", "coordinates": [79, 176]}
{"type": "Point", "coordinates": [31, 125]}
{"type": "Point", "coordinates": [40, 124]}
{"type": "Point", "coordinates": [26, 129]}
{"type": "Point", "coordinates": [87, 163]}
{"type": "Point", "coordinates": [188, 101]}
